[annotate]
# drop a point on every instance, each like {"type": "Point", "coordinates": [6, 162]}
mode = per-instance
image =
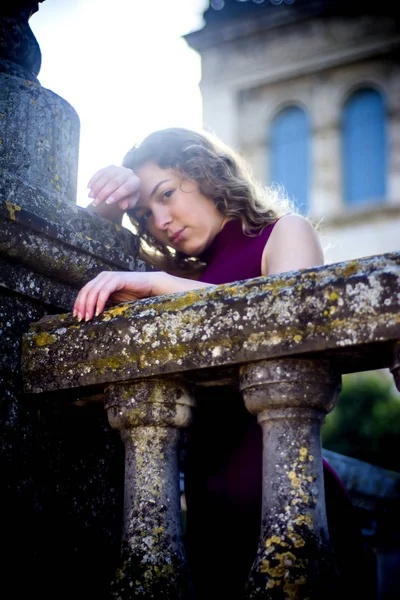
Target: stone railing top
{"type": "Point", "coordinates": [348, 310]}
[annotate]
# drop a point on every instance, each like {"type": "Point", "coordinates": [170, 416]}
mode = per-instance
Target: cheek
{"type": "Point", "coordinates": [158, 235]}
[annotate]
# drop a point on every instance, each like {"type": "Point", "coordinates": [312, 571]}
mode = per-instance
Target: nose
{"type": "Point", "coordinates": [161, 218]}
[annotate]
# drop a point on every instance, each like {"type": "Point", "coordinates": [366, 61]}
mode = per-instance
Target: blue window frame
{"type": "Point", "coordinates": [364, 148]}
{"type": "Point", "coordinates": [290, 154]}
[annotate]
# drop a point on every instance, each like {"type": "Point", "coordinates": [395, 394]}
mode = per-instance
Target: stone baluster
{"type": "Point", "coordinates": [290, 398]}
{"type": "Point", "coordinates": [148, 414]}
{"type": "Point", "coordinates": [395, 366]}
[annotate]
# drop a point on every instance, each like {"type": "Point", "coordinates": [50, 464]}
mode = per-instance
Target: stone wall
{"type": "Point", "coordinates": [254, 66]}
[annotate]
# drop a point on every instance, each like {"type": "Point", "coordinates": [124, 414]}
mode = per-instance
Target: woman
{"type": "Point", "coordinates": [182, 188]}
{"type": "Point", "coordinates": [204, 221]}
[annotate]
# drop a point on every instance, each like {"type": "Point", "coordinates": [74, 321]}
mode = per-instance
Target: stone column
{"type": "Point", "coordinates": [290, 398]}
{"type": "Point", "coordinates": [148, 414]}
{"type": "Point", "coordinates": [39, 135]}
{"type": "Point", "coordinates": [39, 131]}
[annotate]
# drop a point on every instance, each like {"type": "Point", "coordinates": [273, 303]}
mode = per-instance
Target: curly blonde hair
{"type": "Point", "coordinates": [221, 175]}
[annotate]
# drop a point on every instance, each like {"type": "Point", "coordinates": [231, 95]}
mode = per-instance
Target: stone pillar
{"type": "Point", "coordinates": [395, 367]}
{"type": "Point", "coordinates": [290, 398]}
{"type": "Point", "coordinates": [38, 165]}
{"type": "Point", "coordinates": [39, 131]}
{"type": "Point", "coordinates": [148, 414]}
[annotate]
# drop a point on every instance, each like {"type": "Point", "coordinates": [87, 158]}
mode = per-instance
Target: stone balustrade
{"type": "Point", "coordinates": [285, 340]}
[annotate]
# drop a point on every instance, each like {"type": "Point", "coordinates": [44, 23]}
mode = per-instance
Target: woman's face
{"type": "Point", "coordinates": [175, 212]}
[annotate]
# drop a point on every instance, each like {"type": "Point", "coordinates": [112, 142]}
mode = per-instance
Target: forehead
{"type": "Point", "coordinates": [150, 176]}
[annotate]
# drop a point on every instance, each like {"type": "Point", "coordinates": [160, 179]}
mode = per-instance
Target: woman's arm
{"type": "Point", "coordinates": [293, 244]}
{"type": "Point", "coordinates": [111, 212]}
{"type": "Point", "coordinates": [126, 286]}
{"type": "Point", "coordinates": [113, 190]}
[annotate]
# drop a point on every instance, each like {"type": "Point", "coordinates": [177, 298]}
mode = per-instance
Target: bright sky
{"type": "Point", "coordinates": [125, 69]}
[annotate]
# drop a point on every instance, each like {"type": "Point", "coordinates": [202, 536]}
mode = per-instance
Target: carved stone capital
{"type": "Point", "coordinates": [148, 402]}
{"type": "Point", "coordinates": [287, 384]}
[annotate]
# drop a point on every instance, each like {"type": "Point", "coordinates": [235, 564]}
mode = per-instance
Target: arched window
{"type": "Point", "coordinates": [290, 154]}
{"type": "Point", "coordinates": [364, 147]}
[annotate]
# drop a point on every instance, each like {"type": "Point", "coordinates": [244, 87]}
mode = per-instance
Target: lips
{"type": "Point", "coordinates": [176, 237]}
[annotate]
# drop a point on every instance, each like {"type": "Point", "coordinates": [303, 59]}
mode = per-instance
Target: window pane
{"type": "Point", "coordinates": [364, 148]}
{"type": "Point", "coordinates": [289, 147]}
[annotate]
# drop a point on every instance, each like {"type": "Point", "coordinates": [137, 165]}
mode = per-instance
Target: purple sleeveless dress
{"type": "Point", "coordinates": [223, 468]}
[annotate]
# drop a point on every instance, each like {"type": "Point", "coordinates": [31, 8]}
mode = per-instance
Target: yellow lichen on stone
{"type": "Point", "coordinates": [120, 574]}
{"type": "Point", "coordinates": [303, 519]}
{"type": "Point", "coordinates": [292, 589]}
{"type": "Point", "coordinates": [294, 480]}
{"type": "Point", "coordinates": [115, 312]}
{"type": "Point", "coordinates": [350, 269]}
{"type": "Point", "coordinates": [275, 540]}
{"type": "Point", "coordinates": [303, 453]}
{"type": "Point", "coordinates": [12, 209]}
{"type": "Point", "coordinates": [44, 339]}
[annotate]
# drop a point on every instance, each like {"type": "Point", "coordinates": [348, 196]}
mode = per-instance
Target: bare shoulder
{"type": "Point", "coordinates": [293, 222]}
{"type": "Point", "coordinates": [293, 244]}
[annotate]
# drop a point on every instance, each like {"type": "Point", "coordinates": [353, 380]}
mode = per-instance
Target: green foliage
{"type": "Point", "coordinates": [366, 421]}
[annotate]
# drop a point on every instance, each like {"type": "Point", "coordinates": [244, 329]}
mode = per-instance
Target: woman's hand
{"type": "Point", "coordinates": [112, 285]}
{"type": "Point", "coordinates": [125, 286]}
{"type": "Point", "coordinates": [115, 185]}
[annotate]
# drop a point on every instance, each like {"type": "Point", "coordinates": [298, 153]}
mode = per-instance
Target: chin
{"type": "Point", "coordinates": [191, 250]}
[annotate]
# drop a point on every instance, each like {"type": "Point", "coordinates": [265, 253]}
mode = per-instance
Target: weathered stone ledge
{"type": "Point", "coordinates": [337, 308]}
{"type": "Point", "coordinates": [24, 282]}
{"type": "Point", "coordinates": [83, 230]}
{"type": "Point", "coordinates": [63, 255]}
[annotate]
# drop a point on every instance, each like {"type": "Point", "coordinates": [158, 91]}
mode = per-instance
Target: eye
{"type": "Point", "coordinates": [167, 195]}
{"type": "Point", "coordinates": [144, 215]}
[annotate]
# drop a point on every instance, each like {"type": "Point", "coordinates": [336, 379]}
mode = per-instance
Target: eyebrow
{"type": "Point", "coordinates": [155, 189]}
{"type": "Point", "coordinates": [136, 209]}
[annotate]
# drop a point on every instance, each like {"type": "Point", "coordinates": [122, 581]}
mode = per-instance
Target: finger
{"type": "Point", "coordinates": [99, 294]}
{"type": "Point", "coordinates": [79, 309]}
{"type": "Point", "coordinates": [102, 297]}
{"type": "Point", "coordinates": [108, 175]}
{"type": "Point", "coordinates": [94, 180]}
{"type": "Point", "coordinates": [123, 187]}
{"type": "Point", "coordinates": [123, 204]}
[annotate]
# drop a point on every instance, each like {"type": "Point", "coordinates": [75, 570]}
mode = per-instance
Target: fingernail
{"type": "Point", "coordinates": [97, 312]}
{"type": "Point", "coordinates": [91, 195]}
{"type": "Point", "coordinates": [95, 202]}
{"type": "Point", "coordinates": [74, 313]}
{"type": "Point", "coordinates": [79, 317]}
{"type": "Point", "coordinates": [87, 317]}
{"type": "Point", "coordinates": [109, 200]}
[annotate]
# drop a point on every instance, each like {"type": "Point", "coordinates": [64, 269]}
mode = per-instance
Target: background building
{"type": "Point", "coordinates": [309, 91]}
